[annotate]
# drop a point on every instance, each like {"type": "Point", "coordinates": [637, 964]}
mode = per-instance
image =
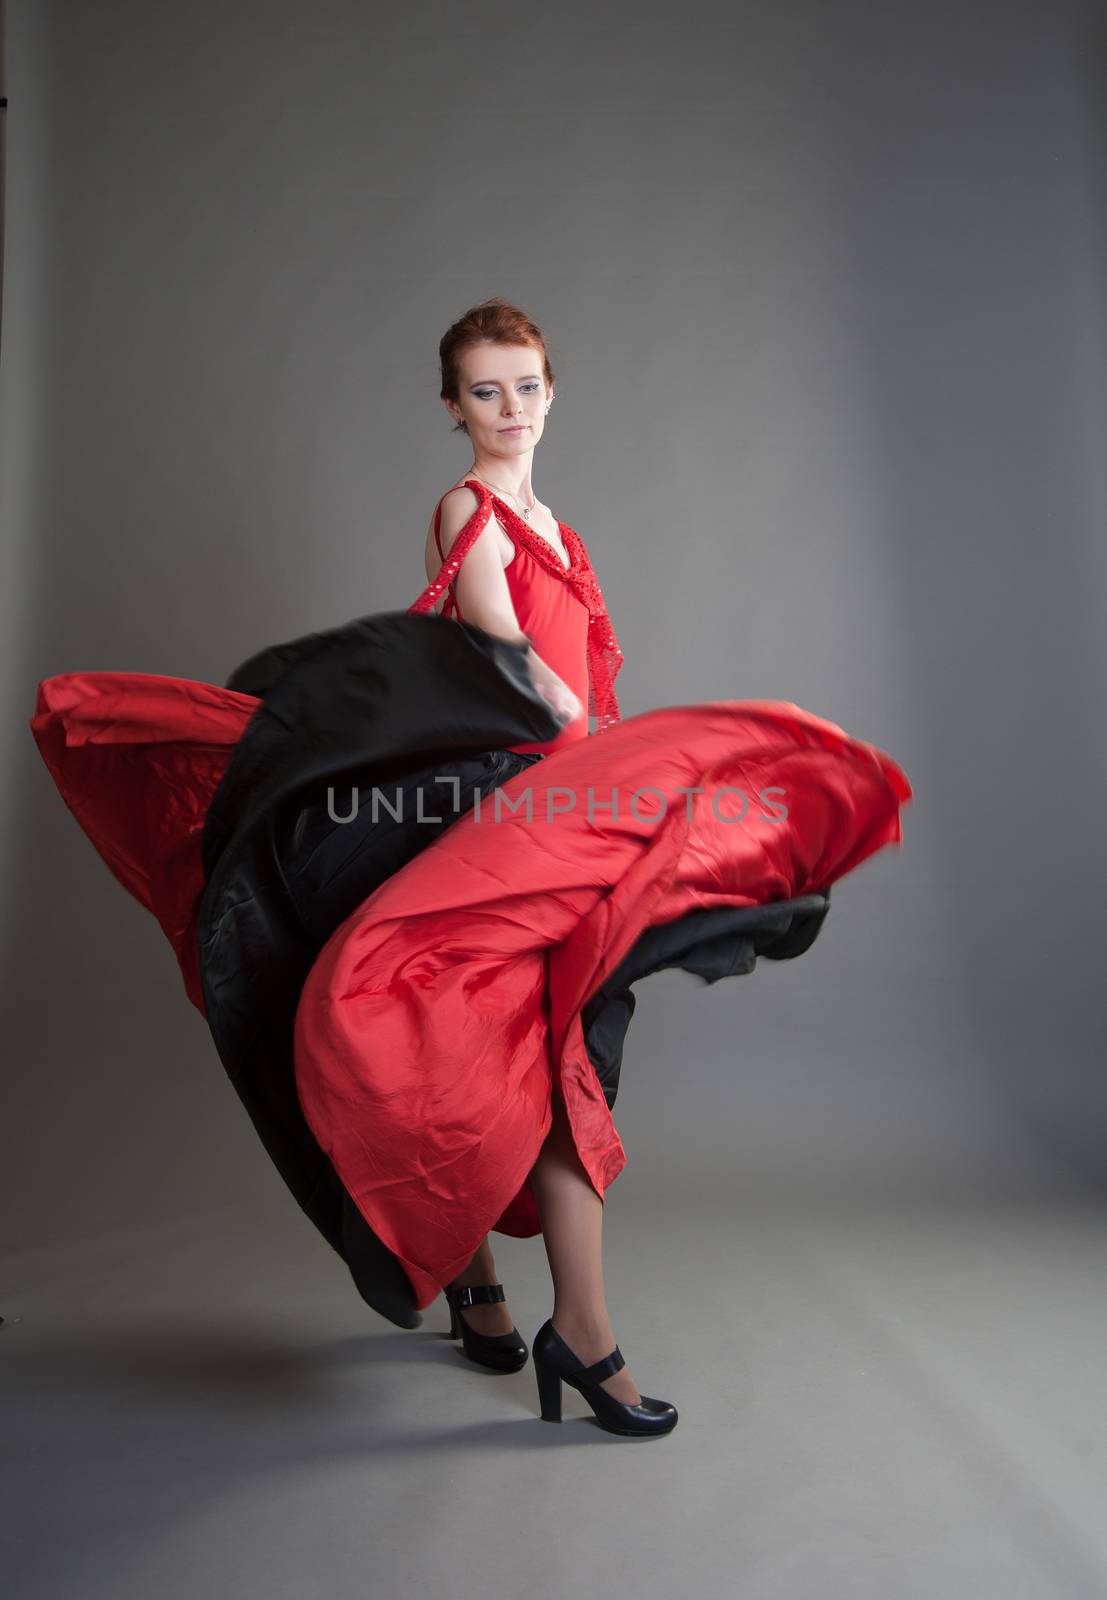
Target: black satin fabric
{"type": "Point", "coordinates": [718, 943]}
{"type": "Point", "coordinates": [386, 700]}
{"type": "Point", "coordinates": [390, 700]}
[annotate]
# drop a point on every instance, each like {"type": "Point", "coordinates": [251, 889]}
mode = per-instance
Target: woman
{"type": "Point", "coordinates": [501, 402]}
{"type": "Point", "coordinates": [424, 1014]}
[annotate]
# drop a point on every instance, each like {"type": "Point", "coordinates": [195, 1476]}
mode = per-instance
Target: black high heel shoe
{"type": "Point", "coordinates": [503, 1352]}
{"type": "Point", "coordinates": [555, 1364]}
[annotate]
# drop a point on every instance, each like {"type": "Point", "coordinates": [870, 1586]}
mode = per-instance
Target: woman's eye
{"type": "Point", "coordinates": [487, 394]}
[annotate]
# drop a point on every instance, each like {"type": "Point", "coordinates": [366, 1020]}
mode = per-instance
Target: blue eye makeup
{"type": "Point", "coordinates": [486, 394]}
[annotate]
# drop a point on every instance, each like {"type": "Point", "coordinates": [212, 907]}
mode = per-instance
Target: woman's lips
{"type": "Point", "coordinates": [521, 429]}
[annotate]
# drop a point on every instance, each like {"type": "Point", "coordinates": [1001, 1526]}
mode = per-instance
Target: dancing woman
{"type": "Point", "coordinates": [424, 1017]}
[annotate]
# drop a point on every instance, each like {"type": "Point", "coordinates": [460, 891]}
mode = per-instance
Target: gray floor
{"type": "Point", "coordinates": [888, 1402]}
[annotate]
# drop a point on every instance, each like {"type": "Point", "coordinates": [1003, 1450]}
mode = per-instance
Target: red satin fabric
{"type": "Point", "coordinates": [439, 1018]}
{"type": "Point", "coordinates": [137, 758]}
{"type": "Point", "coordinates": [442, 1015]}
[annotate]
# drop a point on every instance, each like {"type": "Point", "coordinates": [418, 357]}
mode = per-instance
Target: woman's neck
{"type": "Point", "coordinates": [506, 476]}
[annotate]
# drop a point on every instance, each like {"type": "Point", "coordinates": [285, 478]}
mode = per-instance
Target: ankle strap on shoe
{"type": "Point", "coordinates": [481, 1294]}
{"type": "Point", "coordinates": [599, 1370]}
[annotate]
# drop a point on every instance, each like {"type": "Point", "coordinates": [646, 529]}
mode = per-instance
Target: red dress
{"type": "Point", "coordinates": [552, 615]}
{"type": "Point", "coordinates": [399, 1005]}
{"type": "Point", "coordinates": [439, 1018]}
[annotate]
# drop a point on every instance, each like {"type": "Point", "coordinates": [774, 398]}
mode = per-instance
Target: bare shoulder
{"type": "Point", "coordinates": [459, 505]}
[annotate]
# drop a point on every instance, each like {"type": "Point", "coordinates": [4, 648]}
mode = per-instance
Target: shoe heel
{"type": "Point", "coordinates": [555, 1363]}
{"type": "Point", "coordinates": [549, 1393]}
{"type": "Point", "coordinates": [503, 1352]}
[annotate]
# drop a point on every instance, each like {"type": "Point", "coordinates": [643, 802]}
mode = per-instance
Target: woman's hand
{"type": "Point", "coordinates": [554, 690]}
{"type": "Point", "coordinates": [559, 695]}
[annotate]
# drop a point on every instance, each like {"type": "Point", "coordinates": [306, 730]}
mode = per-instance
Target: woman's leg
{"type": "Point", "coordinates": [571, 1213]}
{"type": "Point", "coordinates": [482, 1269]}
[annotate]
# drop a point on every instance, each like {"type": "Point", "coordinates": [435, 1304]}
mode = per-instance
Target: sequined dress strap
{"type": "Point", "coordinates": [460, 549]}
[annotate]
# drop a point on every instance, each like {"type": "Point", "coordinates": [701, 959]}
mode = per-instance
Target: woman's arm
{"type": "Point", "coordinates": [485, 599]}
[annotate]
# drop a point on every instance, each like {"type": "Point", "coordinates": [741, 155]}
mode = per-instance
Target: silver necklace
{"type": "Point", "coordinates": [525, 509]}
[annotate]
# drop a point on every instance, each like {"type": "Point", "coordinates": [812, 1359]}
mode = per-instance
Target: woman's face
{"type": "Point", "coordinates": [501, 387]}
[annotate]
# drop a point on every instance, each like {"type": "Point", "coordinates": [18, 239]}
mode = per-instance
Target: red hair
{"type": "Point", "coordinates": [497, 321]}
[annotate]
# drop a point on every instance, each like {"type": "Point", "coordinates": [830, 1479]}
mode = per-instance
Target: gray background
{"type": "Point", "coordinates": [823, 286]}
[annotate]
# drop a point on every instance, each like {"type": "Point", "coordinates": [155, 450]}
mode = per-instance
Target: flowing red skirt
{"type": "Point", "coordinates": [137, 758]}
{"type": "Point", "coordinates": [442, 1015]}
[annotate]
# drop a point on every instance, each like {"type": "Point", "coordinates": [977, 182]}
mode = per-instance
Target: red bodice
{"type": "Point", "coordinates": [559, 608]}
